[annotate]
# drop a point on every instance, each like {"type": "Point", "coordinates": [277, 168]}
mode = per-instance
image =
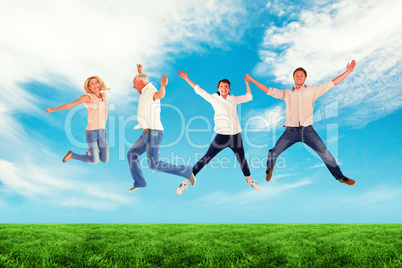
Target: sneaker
{"type": "Point", "coordinates": [192, 179]}
{"type": "Point", "coordinates": [133, 189]}
{"type": "Point", "coordinates": [68, 154]}
{"type": "Point", "coordinates": [253, 184]}
{"type": "Point", "coordinates": [348, 181]}
{"type": "Point", "coordinates": [269, 174]}
{"type": "Point", "coordinates": [181, 188]}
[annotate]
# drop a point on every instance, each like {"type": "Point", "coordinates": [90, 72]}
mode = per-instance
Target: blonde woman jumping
{"type": "Point", "coordinates": [96, 101]}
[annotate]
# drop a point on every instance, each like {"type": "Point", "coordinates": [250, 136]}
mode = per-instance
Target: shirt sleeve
{"type": "Point", "coordinates": [203, 93]}
{"type": "Point", "coordinates": [244, 98]}
{"type": "Point", "coordinates": [151, 92]}
{"type": "Point", "coordinates": [323, 88]}
{"type": "Point", "coordinates": [276, 93]}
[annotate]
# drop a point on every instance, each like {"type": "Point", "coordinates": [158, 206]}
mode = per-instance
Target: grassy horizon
{"type": "Point", "coordinates": [200, 245]}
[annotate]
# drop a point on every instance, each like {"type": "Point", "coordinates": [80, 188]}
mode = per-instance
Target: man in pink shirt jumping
{"type": "Point", "coordinates": [299, 119]}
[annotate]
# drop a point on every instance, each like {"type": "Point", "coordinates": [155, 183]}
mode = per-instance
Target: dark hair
{"type": "Point", "coordinates": [300, 69]}
{"type": "Point", "coordinates": [223, 81]}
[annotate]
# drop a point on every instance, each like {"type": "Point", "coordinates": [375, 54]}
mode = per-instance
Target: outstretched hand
{"type": "Point", "coordinates": [182, 74]}
{"type": "Point", "coordinates": [351, 66]}
{"type": "Point", "coordinates": [247, 77]}
{"type": "Point", "coordinates": [139, 68]}
{"type": "Point", "coordinates": [49, 110]}
{"type": "Point", "coordinates": [164, 80]}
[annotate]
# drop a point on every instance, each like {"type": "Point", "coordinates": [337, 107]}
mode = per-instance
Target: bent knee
{"type": "Point", "coordinates": [132, 156]}
{"type": "Point", "coordinates": [94, 161]}
{"type": "Point", "coordinates": [152, 165]}
{"type": "Point", "coordinates": [324, 152]}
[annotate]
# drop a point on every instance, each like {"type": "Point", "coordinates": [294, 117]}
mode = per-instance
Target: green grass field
{"type": "Point", "coordinates": [200, 245]}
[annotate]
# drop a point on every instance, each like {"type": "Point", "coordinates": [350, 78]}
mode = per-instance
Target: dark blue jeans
{"type": "Point", "coordinates": [308, 136]}
{"type": "Point", "coordinates": [219, 143]}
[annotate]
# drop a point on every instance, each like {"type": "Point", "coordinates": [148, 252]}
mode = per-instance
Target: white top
{"type": "Point", "coordinates": [149, 110]}
{"type": "Point", "coordinates": [225, 118]}
{"type": "Point", "coordinates": [300, 102]}
{"type": "Point", "coordinates": [97, 111]}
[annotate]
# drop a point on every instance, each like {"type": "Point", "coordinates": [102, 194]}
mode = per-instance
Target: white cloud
{"type": "Point", "coordinates": [75, 39]}
{"type": "Point", "coordinates": [265, 120]}
{"type": "Point", "coordinates": [375, 196]}
{"type": "Point", "coordinates": [326, 37]}
{"type": "Point", "coordinates": [317, 166]}
{"type": "Point", "coordinates": [58, 186]}
{"type": "Point", "coordinates": [285, 9]}
{"type": "Point", "coordinates": [222, 199]}
{"type": "Point", "coordinates": [368, 99]}
{"type": "Point", "coordinates": [280, 176]}
{"type": "Point", "coordinates": [373, 199]}
{"type": "Point", "coordinates": [63, 43]}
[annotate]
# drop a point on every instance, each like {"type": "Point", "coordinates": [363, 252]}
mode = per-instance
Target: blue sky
{"type": "Point", "coordinates": [48, 50]}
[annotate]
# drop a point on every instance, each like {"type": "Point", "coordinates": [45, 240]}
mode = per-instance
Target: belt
{"type": "Point", "coordinates": [145, 130]}
{"type": "Point", "coordinates": [299, 126]}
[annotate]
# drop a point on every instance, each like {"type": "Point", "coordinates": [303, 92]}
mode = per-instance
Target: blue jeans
{"type": "Point", "coordinates": [98, 146]}
{"type": "Point", "coordinates": [308, 136]}
{"type": "Point", "coordinates": [150, 142]}
{"type": "Point", "coordinates": [220, 142]}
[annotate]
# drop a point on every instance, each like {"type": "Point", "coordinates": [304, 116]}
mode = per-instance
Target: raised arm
{"type": "Point", "coordinates": [161, 93]}
{"type": "Point", "coordinates": [197, 89]}
{"type": "Point", "coordinates": [185, 77]}
{"type": "Point", "coordinates": [276, 93]}
{"type": "Point", "coordinates": [246, 77]}
{"type": "Point", "coordinates": [349, 68]}
{"type": "Point", "coordinates": [83, 98]}
{"type": "Point", "coordinates": [139, 68]}
{"type": "Point", "coordinates": [245, 98]}
{"type": "Point", "coordinates": [264, 88]}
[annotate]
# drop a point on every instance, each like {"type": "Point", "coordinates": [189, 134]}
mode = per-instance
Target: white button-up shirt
{"type": "Point", "coordinates": [300, 102]}
{"type": "Point", "coordinates": [149, 110]}
{"type": "Point", "coordinates": [225, 118]}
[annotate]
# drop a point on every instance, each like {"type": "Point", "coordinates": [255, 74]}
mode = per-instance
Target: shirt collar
{"type": "Point", "coordinates": [220, 96]}
{"type": "Point", "coordinates": [294, 88]}
{"type": "Point", "coordinates": [147, 86]}
{"type": "Point", "coordinates": [227, 101]}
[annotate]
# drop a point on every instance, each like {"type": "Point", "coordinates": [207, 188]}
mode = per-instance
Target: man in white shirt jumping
{"type": "Point", "coordinates": [299, 119]}
{"type": "Point", "coordinates": [152, 133]}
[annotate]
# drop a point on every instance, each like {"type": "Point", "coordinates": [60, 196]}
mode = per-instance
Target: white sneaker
{"type": "Point", "coordinates": [253, 184]}
{"type": "Point", "coordinates": [181, 188]}
{"type": "Point", "coordinates": [133, 189]}
{"type": "Point", "coordinates": [192, 179]}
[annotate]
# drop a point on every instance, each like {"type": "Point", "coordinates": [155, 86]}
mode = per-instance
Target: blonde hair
{"type": "Point", "coordinates": [102, 85]}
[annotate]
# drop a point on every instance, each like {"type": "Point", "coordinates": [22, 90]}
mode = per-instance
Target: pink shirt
{"type": "Point", "coordinates": [300, 102]}
{"type": "Point", "coordinates": [97, 111]}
